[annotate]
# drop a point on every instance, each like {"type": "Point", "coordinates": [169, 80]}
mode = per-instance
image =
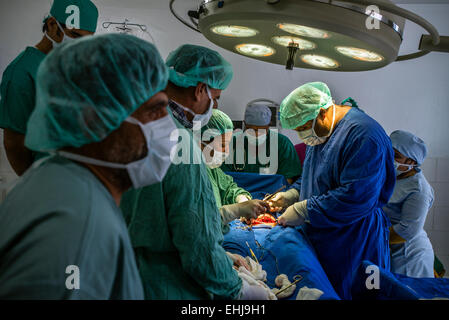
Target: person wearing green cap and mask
{"type": "Point", "coordinates": [233, 201]}
{"type": "Point", "coordinates": [348, 176]}
{"type": "Point", "coordinates": [101, 115]}
{"type": "Point", "coordinates": [18, 83]}
{"type": "Point", "coordinates": [175, 226]}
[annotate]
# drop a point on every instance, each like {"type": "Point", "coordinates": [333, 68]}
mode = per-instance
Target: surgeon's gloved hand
{"type": "Point", "coordinates": [249, 210]}
{"type": "Point", "coordinates": [238, 261]}
{"type": "Point", "coordinates": [283, 199]}
{"type": "Point", "coordinates": [295, 215]}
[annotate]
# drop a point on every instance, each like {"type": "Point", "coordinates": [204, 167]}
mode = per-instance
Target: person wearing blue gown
{"type": "Point", "coordinates": [348, 176]}
{"type": "Point", "coordinates": [411, 251]}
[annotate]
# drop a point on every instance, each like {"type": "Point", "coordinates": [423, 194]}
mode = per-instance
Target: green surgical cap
{"type": "Point", "coordinates": [304, 103]}
{"type": "Point", "coordinates": [190, 64]}
{"type": "Point", "coordinates": [86, 88]}
{"type": "Point", "coordinates": [219, 124]}
{"type": "Point", "coordinates": [88, 13]}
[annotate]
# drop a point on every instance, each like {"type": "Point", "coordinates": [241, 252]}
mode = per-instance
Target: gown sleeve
{"type": "Point", "coordinates": [229, 190]}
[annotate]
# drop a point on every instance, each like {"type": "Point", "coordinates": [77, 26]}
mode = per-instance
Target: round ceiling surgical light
{"type": "Point", "coordinates": [286, 40]}
{"type": "Point", "coordinates": [359, 54]}
{"type": "Point", "coordinates": [319, 61]}
{"type": "Point", "coordinates": [304, 31]}
{"type": "Point", "coordinates": [255, 50]}
{"type": "Point", "coordinates": [345, 34]}
{"type": "Point", "coordinates": [234, 31]}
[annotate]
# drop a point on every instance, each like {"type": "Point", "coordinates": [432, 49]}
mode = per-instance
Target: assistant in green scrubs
{"type": "Point", "coordinates": [17, 89]}
{"type": "Point", "coordinates": [175, 229]}
{"type": "Point", "coordinates": [260, 140]}
{"type": "Point", "coordinates": [62, 233]}
{"type": "Point", "coordinates": [233, 202]}
{"type": "Point", "coordinates": [61, 215]}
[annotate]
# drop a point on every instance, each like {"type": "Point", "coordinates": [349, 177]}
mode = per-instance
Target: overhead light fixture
{"type": "Point", "coordinates": [234, 31]}
{"type": "Point", "coordinates": [255, 50]}
{"type": "Point", "coordinates": [286, 40]}
{"type": "Point", "coordinates": [303, 30]}
{"type": "Point", "coordinates": [342, 35]}
{"type": "Point", "coordinates": [319, 61]}
{"type": "Point", "coordinates": [359, 54]}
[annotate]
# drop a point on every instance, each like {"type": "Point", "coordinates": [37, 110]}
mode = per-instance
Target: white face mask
{"type": "Point", "coordinates": [217, 159]}
{"type": "Point", "coordinates": [154, 166]}
{"type": "Point", "coordinates": [202, 118]}
{"type": "Point", "coordinates": [64, 37]}
{"type": "Point", "coordinates": [260, 139]}
{"type": "Point", "coordinates": [399, 172]}
{"type": "Point", "coordinates": [310, 138]}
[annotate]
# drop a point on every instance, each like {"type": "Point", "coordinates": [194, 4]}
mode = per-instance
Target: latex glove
{"type": "Point", "coordinates": [249, 210]}
{"type": "Point", "coordinates": [295, 215]}
{"type": "Point", "coordinates": [242, 198]}
{"type": "Point", "coordinates": [283, 200]}
{"type": "Point", "coordinates": [238, 261]}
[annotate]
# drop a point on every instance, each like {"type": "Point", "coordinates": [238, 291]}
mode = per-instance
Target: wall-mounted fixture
{"type": "Point", "coordinates": [340, 35]}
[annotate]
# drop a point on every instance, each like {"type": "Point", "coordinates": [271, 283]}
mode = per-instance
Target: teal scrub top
{"type": "Point", "coordinates": [58, 215]}
{"type": "Point", "coordinates": [225, 190]}
{"type": "Point", "coordinates": [17, 89]}
{"type": "Point", "coordinates": [289, 164]}
{"type": "Point", "coordinates": [175, 229]}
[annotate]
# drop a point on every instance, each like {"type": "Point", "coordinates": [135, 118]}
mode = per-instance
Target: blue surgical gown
{"type": "Point", "coordinates": [347, 181]}
{"type": "Point", "coordinates": [59, 215]}
{"type": "Point", "coordinates": [407, 210]}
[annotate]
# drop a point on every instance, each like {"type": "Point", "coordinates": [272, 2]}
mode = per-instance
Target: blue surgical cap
{"type": "Point", "coordinates": [257, 115]}
{"type": "Point", "coordinates": [191, 64]}
{"type": "Point", "coordinates": [86, 88]}
{"type": "Point", "coordinates": [88, 13]}
{"type": "Point", "coordinates": [409, 145]}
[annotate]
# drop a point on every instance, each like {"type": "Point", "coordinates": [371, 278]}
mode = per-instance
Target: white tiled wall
{"type": "Point", "coordinates": [436, 171]}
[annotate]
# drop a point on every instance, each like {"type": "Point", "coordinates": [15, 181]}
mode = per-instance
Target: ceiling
{"type": "Point", "coordinates": [163, 4]}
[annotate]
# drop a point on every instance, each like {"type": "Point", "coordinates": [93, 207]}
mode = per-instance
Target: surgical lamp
{"type": "Point", "coordinates": [340, 35]}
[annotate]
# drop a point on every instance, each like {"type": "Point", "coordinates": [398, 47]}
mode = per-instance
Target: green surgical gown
{"type": "Point", "coordinates": [175, 229]}
{"type": "Point", "coordinates": [58, 215]}
{"type": "Point", "coordinates": [289, 164]}
{"type": "Point", "coordinates": [225, 190]}
{"type": "Point", "coordinates": [18, 93]}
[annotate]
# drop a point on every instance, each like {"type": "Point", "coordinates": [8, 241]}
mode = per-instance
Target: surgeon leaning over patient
{"type": "Point", "coordinates": [101, 114]}
{"type": "Point", "coordinates": [18, 94]}
{"type": "Point", "coordinates": [348, 176]}
{"type": "Point", "coordinates": [175, 226]}
{"type": "Point", "coordinates": [411, 250]}
{"type": "Point", "coordinates": [233, 201]}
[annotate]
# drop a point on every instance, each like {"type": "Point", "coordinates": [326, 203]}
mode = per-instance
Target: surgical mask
{"type": "Point", "coordinates": [202, 118]}
{"type": "Point", "coordinates": [64, 37]}
{"type": "Point", "coordinates": [260, 139]}
{"type": "Point", "coordinates": [310, 138]}
{"type": "Point", "coordinates": [399, 172]}
{"type": "Point", "coordinates": [217, 159]}
{"type": "Point", "coordinates": [154, 166]}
